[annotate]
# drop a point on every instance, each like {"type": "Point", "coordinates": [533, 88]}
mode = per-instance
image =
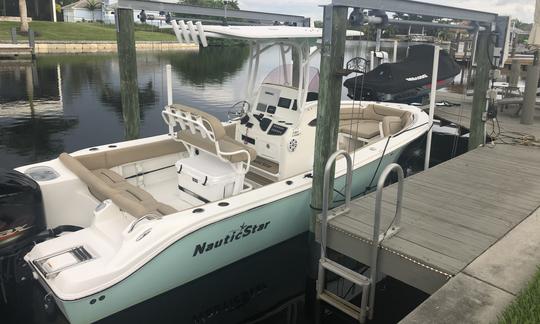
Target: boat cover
{"type": "Point", "coordinates": [413, 72]}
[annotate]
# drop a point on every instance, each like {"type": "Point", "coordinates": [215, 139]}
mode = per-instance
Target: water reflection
{"type": "Point", "coordinates": [211, 65]}
{"type": "Point", "coordinates": [70, 102]}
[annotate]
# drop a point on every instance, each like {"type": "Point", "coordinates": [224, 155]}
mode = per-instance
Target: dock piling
{"type": "Point", "coordinates": [484, 54]}
{"type": "Point", "coordinates": [14, 35]}
{"type": "Point", "coordinates": [332, 59]}
{"type": "Point", "coordinates": [127, 58]}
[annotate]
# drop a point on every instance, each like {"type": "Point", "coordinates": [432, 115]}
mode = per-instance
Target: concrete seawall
{"type": "Point", "coordinates": [45, 47]}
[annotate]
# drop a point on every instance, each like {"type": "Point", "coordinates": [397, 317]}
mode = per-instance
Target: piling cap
{"type": "Point", "coordinates": [534, 36]}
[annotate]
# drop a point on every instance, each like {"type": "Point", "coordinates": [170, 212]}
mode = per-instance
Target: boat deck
{"type": "Point", "coordinates": [451, 214]}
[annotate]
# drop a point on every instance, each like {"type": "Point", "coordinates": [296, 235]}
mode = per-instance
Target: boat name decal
{"type": "Point", "coordinates": [416, 78]}
{"type": "Point", "coordinates": [233, 235]}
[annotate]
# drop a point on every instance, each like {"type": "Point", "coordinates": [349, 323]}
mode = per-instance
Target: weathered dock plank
{"type": "Point", "coordinates": [451, 214]}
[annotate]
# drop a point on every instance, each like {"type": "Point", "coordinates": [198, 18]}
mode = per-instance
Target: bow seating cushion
{"type": "Point", "coordinates": [107, 184]}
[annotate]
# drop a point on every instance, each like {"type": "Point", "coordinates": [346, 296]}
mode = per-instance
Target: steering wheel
{"type": "Point", "coordinates": [238, 110]}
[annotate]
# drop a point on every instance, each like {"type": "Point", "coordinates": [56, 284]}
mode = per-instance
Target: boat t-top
{"type": "Point", "coordinates": [159, 212]}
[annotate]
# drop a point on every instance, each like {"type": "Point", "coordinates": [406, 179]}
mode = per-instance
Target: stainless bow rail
{"type": "Point", "coordinates": [367, 303]}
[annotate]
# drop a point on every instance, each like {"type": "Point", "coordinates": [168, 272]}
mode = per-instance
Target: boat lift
{"type": "Point", "coordinates": [334, 15]}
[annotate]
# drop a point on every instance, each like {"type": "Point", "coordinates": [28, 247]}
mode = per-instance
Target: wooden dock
{"type": "Point", "coordinates": [11, 51]}
{"type": "Point", "coordinates": [452, 213]}
{"type": "Point", "coordinates": [507, 130]}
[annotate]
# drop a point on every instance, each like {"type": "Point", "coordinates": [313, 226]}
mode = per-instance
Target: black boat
{"type": "Point", "coordinates": [408, 81]}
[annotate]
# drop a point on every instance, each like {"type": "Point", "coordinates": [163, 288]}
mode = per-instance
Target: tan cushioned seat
{"type": "Point", "coordinates": [391, 125]}
{"type": "Point", "coordinates": [107, 184]}
{"type": "Point", "coordinates": [360, 128]}
{"type": "Point", "coordinates": [226, 144]}
{"type": "Point", "coordinates": [209, 120]}
{"type": "Point", "coordinates": [123, 155]}
{"type": "Point", "coordinates": [364, 122]}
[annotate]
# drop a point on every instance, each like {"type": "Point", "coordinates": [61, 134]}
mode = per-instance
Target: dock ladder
{"type": "Point", "coordinates": [325, 264]}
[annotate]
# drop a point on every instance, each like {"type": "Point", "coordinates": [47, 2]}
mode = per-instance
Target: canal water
{"type": "Point", "coordinates": [63, 103]}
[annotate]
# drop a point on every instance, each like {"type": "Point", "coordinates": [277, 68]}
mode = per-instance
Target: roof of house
{"type": "Point", "coordinates": [81, 4]}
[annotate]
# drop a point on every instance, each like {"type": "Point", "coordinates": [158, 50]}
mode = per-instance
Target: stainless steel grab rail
{"type": "Point", "coordinates": [147, 217]}
{"type": "Point", "coordinates": [325, 202]}
{"type": "Point", "coordinates": [394, 226]}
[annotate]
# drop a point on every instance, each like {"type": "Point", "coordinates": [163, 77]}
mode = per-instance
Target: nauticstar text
{"type": "Point", "coordinates": [237, 234]}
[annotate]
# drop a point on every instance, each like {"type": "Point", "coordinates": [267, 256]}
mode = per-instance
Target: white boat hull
{"type": "Point", "coordinates": [208, 249]}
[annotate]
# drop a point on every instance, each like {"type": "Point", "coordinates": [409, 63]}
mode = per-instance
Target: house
{"type": "Point", "coordinates": [81, 11]}
{"type": "Point", "coordinates": [104, 12]}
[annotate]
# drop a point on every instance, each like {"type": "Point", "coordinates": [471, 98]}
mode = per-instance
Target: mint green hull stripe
{"type": "Point", "coordinates": [209, 249]}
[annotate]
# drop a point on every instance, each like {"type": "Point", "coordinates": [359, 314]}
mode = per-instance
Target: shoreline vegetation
{"type": "Point", "coordinates": [82, 31]}
{"type": "Point", "coordinates": [526, 307]}
{"type": "Point", "coordinates": [63, 32]}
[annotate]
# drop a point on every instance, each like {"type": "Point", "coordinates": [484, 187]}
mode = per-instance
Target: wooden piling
{"type": "Point", "coordinates": [127, 58]}
{"type": "Point", "coordinates": [332, 59]}
{"type": "Point", "coordinates": [13, 35]}
{"type": "Point", "coordinates": [481, 82]}
{"type": "Point", "coordinates": [514, 73]}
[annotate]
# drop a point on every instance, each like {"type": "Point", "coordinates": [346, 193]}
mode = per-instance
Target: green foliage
{"type": "Point", "coordinates": [318, 23]}
{"type": "Point", "coordinates": [92, 5]}
{"type": "Point", "coordinates": [210, 65]}
{"type": "Point", "coordinates": [231, 4]}
{"type": "Point", "coordinates": [526, 307]}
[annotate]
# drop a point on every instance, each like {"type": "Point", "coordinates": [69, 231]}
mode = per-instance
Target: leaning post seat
{"type": "Point", "coordinates": [375, 119]}
{"type": "Point", "coordinates": [107, 184]}
{"type": "Point", "coordinates": [199, 130]}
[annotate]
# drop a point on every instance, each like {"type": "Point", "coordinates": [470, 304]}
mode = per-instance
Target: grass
{"type": "Point", "coordinates": [62, 31]}
{"type": "Point", "coordinates": [526, 307]}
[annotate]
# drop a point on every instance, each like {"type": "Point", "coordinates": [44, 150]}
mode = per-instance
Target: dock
{"type": "Point", "coordinates": [452, 214]}
{"type": "Point", "coordinates": [506, 128]}
{"type": "Point", "coordinates": [14, 51]}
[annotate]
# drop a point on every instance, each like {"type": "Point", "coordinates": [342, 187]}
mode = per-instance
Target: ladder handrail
{"type": "Point", "coordinates": [326, 181]}
{"type": "Point", "coordinates": [377, 238]}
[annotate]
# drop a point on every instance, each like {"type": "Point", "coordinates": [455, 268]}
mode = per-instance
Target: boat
{"type": "Point", "coordinates": [408, 81]}
{"type": "Point", "coordinates": [159, 212]}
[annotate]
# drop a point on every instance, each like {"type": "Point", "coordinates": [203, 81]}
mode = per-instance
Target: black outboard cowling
{"type": "Point", "coordinates": [21, 210]}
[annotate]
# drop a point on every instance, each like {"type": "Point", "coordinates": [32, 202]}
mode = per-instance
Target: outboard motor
{"type": "Point", "coordinates": [21, 210]}
{"type": "Point", "coordinates": [22, 218]}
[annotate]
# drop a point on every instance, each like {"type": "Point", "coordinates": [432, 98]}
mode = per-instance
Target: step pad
{"type": "Point", "coordinates": [345, 272]}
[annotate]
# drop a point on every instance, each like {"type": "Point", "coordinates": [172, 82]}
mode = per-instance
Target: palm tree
{"type": "Point", "coordinates": [24, 16]}
{"type": "Point", "coordinates": [93, 5]}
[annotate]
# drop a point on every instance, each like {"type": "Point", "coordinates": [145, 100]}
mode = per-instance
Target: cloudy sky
{"type": "Point", "coordinates": [521, 9]}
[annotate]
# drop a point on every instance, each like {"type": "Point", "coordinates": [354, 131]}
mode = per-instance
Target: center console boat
{"type": "Point", "coordinates": [159, 212]}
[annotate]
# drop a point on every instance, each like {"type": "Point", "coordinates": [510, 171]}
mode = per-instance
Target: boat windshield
{"type": "Point", "coordinates": [282, 75]}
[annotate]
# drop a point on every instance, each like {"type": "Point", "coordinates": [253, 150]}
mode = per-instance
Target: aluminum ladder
{"type": "Point", "coordinates": [367, 303]}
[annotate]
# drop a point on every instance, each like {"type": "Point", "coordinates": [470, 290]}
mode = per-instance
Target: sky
{"type": "Point", "coordinates": [521, 9]}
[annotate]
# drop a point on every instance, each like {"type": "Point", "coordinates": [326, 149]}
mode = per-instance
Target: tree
{"type": "Point", "coordinates": [24, 16]}
{"type": "Point", "coordinates": [92, 5]}
{"type": "Point", "coordinates": [231, 4]}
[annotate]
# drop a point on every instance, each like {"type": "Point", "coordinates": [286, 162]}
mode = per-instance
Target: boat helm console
{"type": "Point", "coordinates": [277, 128]}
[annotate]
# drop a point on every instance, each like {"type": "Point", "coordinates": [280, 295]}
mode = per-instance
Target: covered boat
{"type": "Point", "coordinates": [408, 81]}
